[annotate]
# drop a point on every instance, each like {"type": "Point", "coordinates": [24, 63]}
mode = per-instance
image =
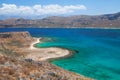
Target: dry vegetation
{"type": "Point", "coordinates": [12, 43]}
{"type": "Point", "coordinates": [15, 67]}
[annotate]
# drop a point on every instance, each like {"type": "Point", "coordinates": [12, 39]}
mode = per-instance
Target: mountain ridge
{"type": "Point", "coordinates": [105, 20]}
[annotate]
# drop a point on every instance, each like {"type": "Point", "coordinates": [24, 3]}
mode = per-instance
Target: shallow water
{"type": "Point", "coordinates": [97, 50]}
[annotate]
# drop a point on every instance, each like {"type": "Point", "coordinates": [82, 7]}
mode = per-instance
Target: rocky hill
{"type": "Point", "coordinates": [13, 65]}
{"type": "Point", "coordinates": [19, 36]}
{"type": "Point", "coordinates": [12, 42]}
{"type": "Point", "coordinates": [107, 20]}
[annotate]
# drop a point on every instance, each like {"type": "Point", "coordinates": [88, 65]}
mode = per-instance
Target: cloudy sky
{"type": "Point", "coordinates": [58, 7]}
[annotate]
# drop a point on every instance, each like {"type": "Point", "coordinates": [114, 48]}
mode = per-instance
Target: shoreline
{"type": "Point", "coordinates": [66, 53]}
{"type": "Point", "coordinates": [32, 59]}
{"type": "Point", "coordinates": [46, 54]}
{"type": "Point", "coordinates": [73, 27]}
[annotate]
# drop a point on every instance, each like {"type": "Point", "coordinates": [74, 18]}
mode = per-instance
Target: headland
{"type": "Point", "coordinates": [19, 59]}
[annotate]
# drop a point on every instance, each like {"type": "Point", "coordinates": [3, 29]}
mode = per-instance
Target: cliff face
{"type": "Point", "coordinates": [11, 42]}
{"type": "Point", "coordinates": [107, 20]}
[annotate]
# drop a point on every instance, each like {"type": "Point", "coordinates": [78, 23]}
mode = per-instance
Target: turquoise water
{"type": "Point", "coordinates": [97, 51]}
{"type": "Point", "coordinates": [96, 57]}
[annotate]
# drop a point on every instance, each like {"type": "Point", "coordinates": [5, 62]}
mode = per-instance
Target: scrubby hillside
{"type": "Point", "coordinates": [12, 42]}
{"type": "Point", "coordinates": [14, 69]}
{"type": "Point", "coordinates": [13, 66]}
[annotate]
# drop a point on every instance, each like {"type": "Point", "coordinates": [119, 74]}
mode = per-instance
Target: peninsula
{"type": "Point", "coordinates": [19, 59]}
{"type": "Point", "coordinates": [39, 54]}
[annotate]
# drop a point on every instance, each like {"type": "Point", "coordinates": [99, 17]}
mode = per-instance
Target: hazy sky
{"type": "Point", "coordinates": [58, 7]}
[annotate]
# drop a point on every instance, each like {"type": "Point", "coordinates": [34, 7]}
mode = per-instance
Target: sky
{"type": "Point", "coordinates": [58, 7]}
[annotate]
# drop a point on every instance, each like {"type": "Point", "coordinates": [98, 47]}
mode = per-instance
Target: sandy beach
{"type": "Point", "coordinates": [41, 54]}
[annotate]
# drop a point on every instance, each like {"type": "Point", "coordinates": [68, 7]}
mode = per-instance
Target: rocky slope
{"type": "Point", "coordinates": [12, 42]}
{"type": "Point", "coordinates": [13, 66]}
{"type": "Point", "coordinates": [107, 20]}
{"type": "Point", "coordinates": [15, 69]}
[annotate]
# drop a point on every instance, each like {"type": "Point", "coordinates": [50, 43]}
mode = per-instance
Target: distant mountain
{"type": "Point", "coordinates": [106, 20]}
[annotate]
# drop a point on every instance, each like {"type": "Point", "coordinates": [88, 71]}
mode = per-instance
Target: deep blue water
{"type": "Point", "coordinates": [97, 50]}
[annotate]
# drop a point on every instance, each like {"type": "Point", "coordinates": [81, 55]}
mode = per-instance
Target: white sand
{"type": "Point", "coordinates": [40, 54]}
{"type": "Point", "coordinates": [35, 42]}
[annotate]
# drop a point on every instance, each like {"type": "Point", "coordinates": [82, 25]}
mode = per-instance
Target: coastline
{"type": "Point", "coordinates": [34, 60]}
{"type": "Point", "coordinates": [33, 45]}
{"type": "Point", "coordinates": [64, 53]}
{"type": "Point", "coordinates": [43, 54]}
{"type": "Point", "coordinates": [72, 27]}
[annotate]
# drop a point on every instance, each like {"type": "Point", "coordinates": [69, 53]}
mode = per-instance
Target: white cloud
{"type": "Point", "coordinates": [12, 9]}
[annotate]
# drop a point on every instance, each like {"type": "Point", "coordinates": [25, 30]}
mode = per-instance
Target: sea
{"type": "Point", "coordinates": [96, 52]}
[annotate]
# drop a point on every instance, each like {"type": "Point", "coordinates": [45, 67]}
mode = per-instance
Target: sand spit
{"type": "Point", "coordinates": [41, 54]}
